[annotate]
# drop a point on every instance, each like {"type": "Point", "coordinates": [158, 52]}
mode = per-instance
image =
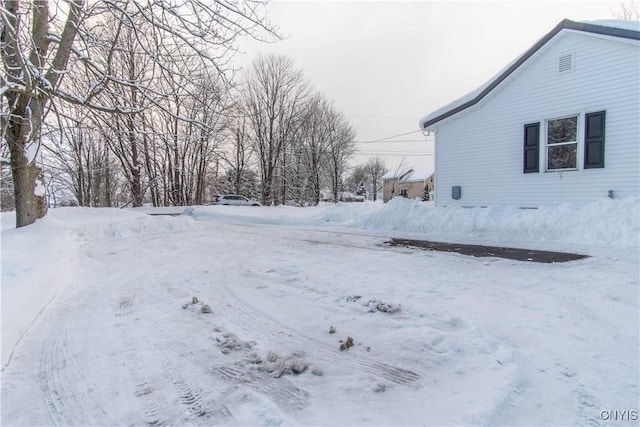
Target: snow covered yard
{"type": "Point", "coordinates": [438, 338]}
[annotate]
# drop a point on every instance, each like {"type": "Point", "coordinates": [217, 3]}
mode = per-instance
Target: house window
{"type": "Point", "coordinates": [403, 192]}
{"type": "Point", "coordinates": [562, 143]}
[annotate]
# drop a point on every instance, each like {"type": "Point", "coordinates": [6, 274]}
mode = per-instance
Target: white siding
{"type": "Point", "coordinates": [481, 148]}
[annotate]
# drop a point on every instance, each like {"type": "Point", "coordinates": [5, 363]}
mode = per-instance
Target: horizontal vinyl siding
{"type": "Point", "coordinates": [481, 149]}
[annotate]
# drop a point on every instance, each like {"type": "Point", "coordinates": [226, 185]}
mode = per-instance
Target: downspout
{"type": "Point", "coordinates": [434, 132]}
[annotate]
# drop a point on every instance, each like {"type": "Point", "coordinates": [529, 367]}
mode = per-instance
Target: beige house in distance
{"type": "Point", "coordinates": [407, 183]}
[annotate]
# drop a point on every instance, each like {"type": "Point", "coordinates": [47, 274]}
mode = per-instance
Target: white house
{"type": "Point", "coordinates": [560, 123]}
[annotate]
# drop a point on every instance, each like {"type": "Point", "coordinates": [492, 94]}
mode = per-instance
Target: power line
{"type": "Point", "coordinates": [395, 152]}
{"type": "Point", "coordinates": [390, 137]}
{"type": "Point", "coordinates": [391, 153]}
{"type": "Point", "coordinates": [381, 117]}
{"type": "Point", "coordinates": [394, 155]}
{"type": "Point", "coordinates": [386, 150]}
{"type": "Point", "coordinates": [386, 142]}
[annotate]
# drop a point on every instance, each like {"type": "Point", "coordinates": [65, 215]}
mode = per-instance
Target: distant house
{"type": "Point", "coordinates": [560, 123]}
{"type": "Point", "coordinates": [407, 183]}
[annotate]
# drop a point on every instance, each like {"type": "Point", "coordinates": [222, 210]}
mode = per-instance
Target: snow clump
{"type": "Point", "coordinates": [278, 366]}
{"type": "Point", "coordinates": [230, 342]}
{"type": "Point", "coordinates": [384, 307]}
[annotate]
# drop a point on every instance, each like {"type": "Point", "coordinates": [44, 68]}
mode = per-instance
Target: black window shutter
{"type": "Point", "coordinates": [594, 140]}
{"type": "Point", "coordinates": [532, 147]}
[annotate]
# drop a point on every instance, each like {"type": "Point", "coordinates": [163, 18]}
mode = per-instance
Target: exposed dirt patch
{"type": "Point", "coordinates": [528, 255]}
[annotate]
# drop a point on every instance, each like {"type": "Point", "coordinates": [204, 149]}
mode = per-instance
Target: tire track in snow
{"type": "Point", "coordinates": [154, 403]}
{"type": "Point", "coordinates": [12, 387]}
{"type": "Point", "coordinates": [62, 380]}
{"type": "Point", "coordinates": [124, 307]}
{"type": "Point", "coordinates": [200, 411]}
{"type": "Point", "coordinates": [252, 320]}
{"type": "Point", "coordinates": [158, 395]}
{"type": "Point", "coordinates": [282, 391]}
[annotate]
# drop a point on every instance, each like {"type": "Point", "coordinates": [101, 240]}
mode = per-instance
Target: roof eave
{"type": "Point", "coordinates": [564, 24]}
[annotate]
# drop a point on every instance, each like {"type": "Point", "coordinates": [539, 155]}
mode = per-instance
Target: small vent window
{"type": "Point", "coordinates": [565, 63]}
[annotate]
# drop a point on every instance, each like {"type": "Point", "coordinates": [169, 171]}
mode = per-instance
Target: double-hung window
{"type": "Point", "coordinates": [558, 142]}
{"type": "Point", "coordinates": [562, 143]}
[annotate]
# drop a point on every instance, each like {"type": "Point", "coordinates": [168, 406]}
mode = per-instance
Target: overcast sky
{"type": "Point", "coordinates": [386, 64]}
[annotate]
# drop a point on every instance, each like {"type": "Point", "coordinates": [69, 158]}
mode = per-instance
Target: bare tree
{"type": "Point", "coordinates": [6, 181]}
{"type": "Point", "coordinates": [238, 156]}
{"type": "Point", "coordinates": [126, 63]}
{"type": "Point", "coordinates": [202, 135]}
{"type": "Point", "coordinates": [317, 138]}
{"type": "Point", "coordinates": [375, 169]}
{"type": "Point", "coordinates": [275, 91]}
{"type": "Point", "coordinates": [629, 11]}
{"type": "Point", "coordinates": [341, 147]}
{"type": "Point", "coordinates": [231, 182]}
{"type": "Point", "coordinates": [358, 180]}
{"type": "Point", "coordinates": [78, 158]}
{"type": "Point", "coordinates": [39, 48]}
{"type": "Point", "coordinates": [32, 71]}
{"type": "Point", "coordinates": [400, 175]}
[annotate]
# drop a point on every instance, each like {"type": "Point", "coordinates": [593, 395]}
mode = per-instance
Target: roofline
{"type": "Point", "coordinates": [410, 172]}
{"type": "Point", "coordinates": [565, 24]}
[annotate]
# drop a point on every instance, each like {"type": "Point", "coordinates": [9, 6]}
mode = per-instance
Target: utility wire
{"type": "Point", "coordinates": [390, 137]}
{"type": "Point", "coordinates": [394, 151]}
{"type": "Point", "coordinates": [374, 153]}
{"type": "Point", "coordinates": [386, 142]}
{"type": "Point", "coordinates": [381, 117]}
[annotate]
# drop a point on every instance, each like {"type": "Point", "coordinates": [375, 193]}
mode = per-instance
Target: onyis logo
{"type": "Point", "coordinates": [619, 415]}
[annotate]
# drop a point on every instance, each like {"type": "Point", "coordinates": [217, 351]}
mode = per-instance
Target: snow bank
{"type": "Point", "coordinates": [604, 223]}
{"type": "Point", "coordinates": [143, 226]}
{"type": "Point", "coordinates": [280, 215]}
{"type": "Point", "coordinates": [608, 223]}
{"type": "Point", "coordinates": [37, 259]}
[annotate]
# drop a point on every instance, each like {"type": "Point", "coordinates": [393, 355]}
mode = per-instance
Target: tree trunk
{"type": "Point", "coordinates": [107, 180]}
{"type": "Point", "coordinates": [316, 187]}
{"type": "Point", "coordinates": [201, 173]}
{"type": "Point", "coordinates": [137, 192]}
{"type": "Point", "coordinates": [26, 106]}
{"type": "Point", "coordinates": [28, 186]}
{"type": "Point", "coordinates": [375, 189]}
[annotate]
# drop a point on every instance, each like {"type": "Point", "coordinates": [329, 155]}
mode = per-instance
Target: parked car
{"type": "Point", "coordinates": [233, 200]}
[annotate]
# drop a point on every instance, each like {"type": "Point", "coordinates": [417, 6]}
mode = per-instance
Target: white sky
{"type": "Point", "coordinates": [386, 64]}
